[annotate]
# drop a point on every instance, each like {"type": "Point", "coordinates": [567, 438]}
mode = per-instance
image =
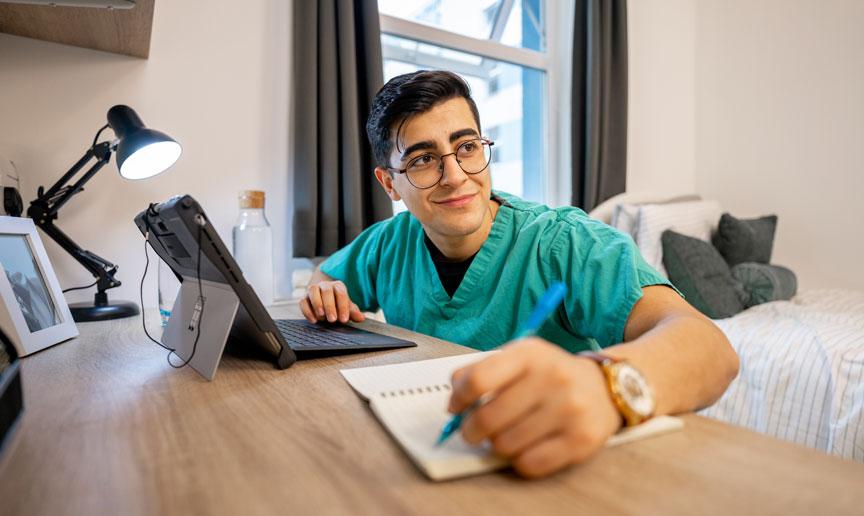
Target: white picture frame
{"type": "Point", "coordinates": [33, 312]}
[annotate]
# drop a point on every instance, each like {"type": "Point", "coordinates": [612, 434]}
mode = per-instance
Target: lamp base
{"type": "Point", "coordinates": [87, 312]}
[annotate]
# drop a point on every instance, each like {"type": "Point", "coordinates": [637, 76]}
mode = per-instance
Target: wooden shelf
{"type": "Point", "coordinates": [121, 31]}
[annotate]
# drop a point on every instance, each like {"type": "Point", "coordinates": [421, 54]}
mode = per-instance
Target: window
{"type": "Point", "coordinates": [500, 48]}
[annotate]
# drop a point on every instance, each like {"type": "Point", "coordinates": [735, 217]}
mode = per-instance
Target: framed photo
{"type": "Point", "coordinates": [33, 311]}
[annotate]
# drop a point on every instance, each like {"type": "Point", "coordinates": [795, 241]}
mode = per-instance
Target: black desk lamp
{"type": "Point", "coordinates": [141, 153]}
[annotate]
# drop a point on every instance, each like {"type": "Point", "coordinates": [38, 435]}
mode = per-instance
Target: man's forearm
{"type": "Point", "coordinates": [686, 359]}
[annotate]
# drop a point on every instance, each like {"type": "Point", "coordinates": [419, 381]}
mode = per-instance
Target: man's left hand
{"type": "Point", "coordinates": [548, 408]}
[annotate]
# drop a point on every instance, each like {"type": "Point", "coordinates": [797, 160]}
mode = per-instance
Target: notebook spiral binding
{"type": "Point", "coordinates": [427, 389]}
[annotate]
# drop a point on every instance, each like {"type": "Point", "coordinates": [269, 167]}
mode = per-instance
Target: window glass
{"type": "Point", "coordinates": [509, 98]}
{"type": "Point", "coordinates": [515, 23]}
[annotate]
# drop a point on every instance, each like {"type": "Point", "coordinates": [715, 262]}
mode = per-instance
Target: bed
{"type": "Point", "coordinates": [802, 371]}
{"type": "Point", "coordinates": [802, 362]}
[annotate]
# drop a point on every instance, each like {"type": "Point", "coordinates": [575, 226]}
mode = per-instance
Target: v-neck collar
{"type": "Point", "coordinates": [479, 266]}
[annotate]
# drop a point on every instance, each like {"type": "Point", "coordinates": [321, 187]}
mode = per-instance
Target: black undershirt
{"type": "Point", "coordinates": [449, 272]}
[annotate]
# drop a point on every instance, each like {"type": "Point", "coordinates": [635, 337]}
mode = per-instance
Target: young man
{"type": "Point", "coordinates": [467, 265]}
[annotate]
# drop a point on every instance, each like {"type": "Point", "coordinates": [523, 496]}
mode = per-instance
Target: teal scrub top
{"type": "Point", "coordinates": [529, 247]}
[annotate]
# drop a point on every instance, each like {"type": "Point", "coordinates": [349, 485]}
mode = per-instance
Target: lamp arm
{"type": "Point", "coordinates": [43, 210]}
{"type": "Point", "coordinates": [59, 193]}
{"type": "Point", "coordinates": [99, 267]}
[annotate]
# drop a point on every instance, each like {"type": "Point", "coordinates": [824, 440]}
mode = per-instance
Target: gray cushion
{"type": "Point", "coordinates": [701, 274]}
{"type": "Point", "coordinates": [750, 240]}
{"type": "Point", "coordinates": [765, 283]}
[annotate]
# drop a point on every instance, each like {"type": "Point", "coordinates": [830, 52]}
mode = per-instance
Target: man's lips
{"type": "Point", "coordinates": [456, 202]}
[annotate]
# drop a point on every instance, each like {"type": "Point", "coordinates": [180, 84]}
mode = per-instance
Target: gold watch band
{"type": "Point", "coordinates": [608, 366]}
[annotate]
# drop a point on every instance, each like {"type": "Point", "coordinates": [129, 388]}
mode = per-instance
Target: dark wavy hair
{"type": "Point", "coordinates": [405, 96]}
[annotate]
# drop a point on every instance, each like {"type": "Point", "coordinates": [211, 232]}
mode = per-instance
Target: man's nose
{"type": "Point", "coordinates": [452, 174]}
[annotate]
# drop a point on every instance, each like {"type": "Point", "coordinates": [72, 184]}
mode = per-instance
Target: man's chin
{"type": "Point", "coordinates": [456, 230]}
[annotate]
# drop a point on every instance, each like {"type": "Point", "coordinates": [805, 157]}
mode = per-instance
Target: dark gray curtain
{"type": "Point", "coordinates": [599, 101]}
{"type": "Point", "coordinates": [337, 71]}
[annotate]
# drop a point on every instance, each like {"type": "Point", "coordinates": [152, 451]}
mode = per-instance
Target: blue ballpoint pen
{"type": "Point", "coordinates": [547, 304]}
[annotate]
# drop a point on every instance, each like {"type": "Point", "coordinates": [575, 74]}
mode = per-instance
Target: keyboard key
{"type": "Point", "coordinates": [300, 334]}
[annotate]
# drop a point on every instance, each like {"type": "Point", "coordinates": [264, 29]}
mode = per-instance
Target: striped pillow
{"type": "Point", "coordinates": [624, 214]}
{"type": "Point", "coordinates": [624, 218]}
{"type": "Point", "coordinates": [697, 219]}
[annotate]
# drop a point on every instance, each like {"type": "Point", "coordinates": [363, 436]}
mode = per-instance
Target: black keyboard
{"type": "Point", "coordinates": [302, 335]}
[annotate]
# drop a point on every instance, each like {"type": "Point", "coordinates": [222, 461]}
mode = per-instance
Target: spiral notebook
{"type": "Point", "coordinates": [410, 400]}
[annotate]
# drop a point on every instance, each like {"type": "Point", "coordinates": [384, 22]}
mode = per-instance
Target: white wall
{"type": "Point", "coordinates": [757, 104]}
{"type": "Point", "coordinates": [761, 106]}
{"type": "Point", "coordinates": [216, 80]}
{"type": "Point", "coordinates": [780, 126]}
{"type": "Point", "coordinates": [661, 109]}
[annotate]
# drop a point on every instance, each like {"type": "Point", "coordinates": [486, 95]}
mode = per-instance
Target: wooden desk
{"type": "Point", "coordinates": [110, 428]}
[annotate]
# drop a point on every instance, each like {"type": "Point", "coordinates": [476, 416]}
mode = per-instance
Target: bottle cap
{"type": "Point", "coordinates": [252, 199]}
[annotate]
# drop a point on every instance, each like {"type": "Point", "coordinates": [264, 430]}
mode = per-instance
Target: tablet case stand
{"type": "Point", "coordinates": [215, 321]}
{"type": "Point", "coordinates": [11, 392]}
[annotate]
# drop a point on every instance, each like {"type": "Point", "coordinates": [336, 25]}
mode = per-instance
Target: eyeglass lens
{"type": "Point", "coordinates": [472, 156]}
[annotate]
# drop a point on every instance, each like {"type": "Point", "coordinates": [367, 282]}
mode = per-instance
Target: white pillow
{"type": "Point", "coordinates": [604, 212]}
{"type": "Point", "coordinates": [624, 217]}
{"type": "Point", "coordinates": [697, 219]}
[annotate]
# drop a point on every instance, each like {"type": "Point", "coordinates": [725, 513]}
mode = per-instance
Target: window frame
{"type": "Point", "coordinates": [553, 62]}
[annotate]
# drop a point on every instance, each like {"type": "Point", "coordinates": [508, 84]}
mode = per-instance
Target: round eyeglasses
{"type": "Point", "coordinates": [426, 170]}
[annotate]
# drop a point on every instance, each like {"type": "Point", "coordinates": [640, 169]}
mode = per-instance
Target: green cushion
{"type": "Point", "coordinates": [750, 240]}
{"type": "Point", "coordinates": [765, 283]}
{"type": "Point", "coordinates": [702, 275]}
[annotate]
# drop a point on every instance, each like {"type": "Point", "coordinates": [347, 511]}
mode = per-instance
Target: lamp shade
{"type": "Point", "coordinates": [141, 152]}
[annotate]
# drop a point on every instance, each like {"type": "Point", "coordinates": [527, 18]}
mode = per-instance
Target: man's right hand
{"type": "Point", "coordinates": [329, 300]}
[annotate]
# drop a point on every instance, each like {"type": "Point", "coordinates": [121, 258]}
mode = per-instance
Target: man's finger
{"type": "Point", "coordinates": [315, 301]}
{"type": "Point", "coordinates": [328, 299]}
{"type": "Point", "coordinates": [537, 424]}
{"type": "Point", "coordinates": [484, 377]}
{"type": "Point", "coordinates": [356, 315]}
{"type": "Point", "coordinates": [343, 304]}
{"type": "Point", "coordinates": [547, 456]}
{"type": "Point", "coordinates": [307, 311]}
{"type": "Point", "coordinates": [511, 404]}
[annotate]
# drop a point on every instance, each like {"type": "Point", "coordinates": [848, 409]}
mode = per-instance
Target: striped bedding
{"type": "Point", "coordinates": [802, 371]}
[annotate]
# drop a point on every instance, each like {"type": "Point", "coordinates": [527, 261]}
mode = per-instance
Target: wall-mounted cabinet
{"type": "Point", "coordinates": [118, 30]}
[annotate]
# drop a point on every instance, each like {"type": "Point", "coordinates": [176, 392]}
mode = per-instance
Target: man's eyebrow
{"type": "Point", "coordinates": [430, 145]}
{"type": "Point", "coordinates": [427, 144]}
{"type": "Point", "coordinates": [462, 132]}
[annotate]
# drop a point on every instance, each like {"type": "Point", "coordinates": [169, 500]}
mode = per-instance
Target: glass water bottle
{"type": "Point", "coordinates": [253, 245]}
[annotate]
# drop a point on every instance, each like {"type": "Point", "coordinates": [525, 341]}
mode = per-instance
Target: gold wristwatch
{"type": "Point", "coordinates": [630, 392]}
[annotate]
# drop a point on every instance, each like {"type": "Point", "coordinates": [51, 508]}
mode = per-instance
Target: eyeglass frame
{"type": "Point", "coordinates": [441, 163]}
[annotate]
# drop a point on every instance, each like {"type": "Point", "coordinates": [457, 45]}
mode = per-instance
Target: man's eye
{"type": "Point", "coordinates": [469, 147]}
{"type": "Point", "coordinates": [423, 160]}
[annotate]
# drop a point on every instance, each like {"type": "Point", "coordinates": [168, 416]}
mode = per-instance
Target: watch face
{"type": "Point", "coordinates": [635, 390]}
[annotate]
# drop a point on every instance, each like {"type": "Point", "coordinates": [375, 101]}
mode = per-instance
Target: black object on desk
{"type": "Point", "coordinates": [11, 395]}
{"type": "Point", "coordinates": [216, 293]}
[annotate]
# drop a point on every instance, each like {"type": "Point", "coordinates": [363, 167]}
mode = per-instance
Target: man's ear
{"type": "Point", "coordinates": [386, 179]}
